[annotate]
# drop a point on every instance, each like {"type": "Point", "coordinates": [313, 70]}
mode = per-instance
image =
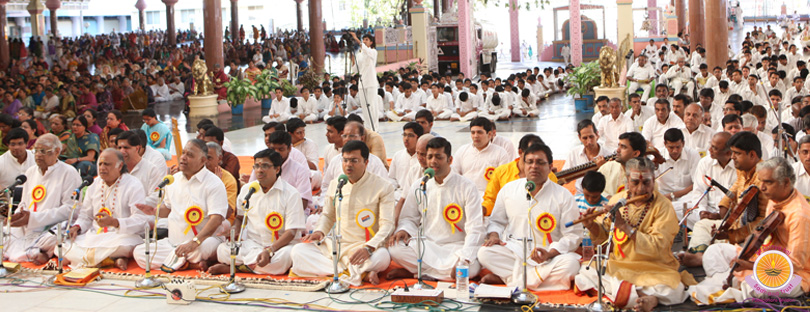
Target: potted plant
{"type": "Point", "coordinates": [583, 80]}
{"type": "Point", "coordinates": [239, 89]}
{"type": "Point", "coordinates": [288, 89]}
{"type": "Point", "coordinates": [265, 83]}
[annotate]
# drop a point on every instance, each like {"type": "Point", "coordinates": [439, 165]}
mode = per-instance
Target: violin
{"type": "Point", "coordinates": [754, 241]}
{"type": "Point", "coordinates": [746, 201]}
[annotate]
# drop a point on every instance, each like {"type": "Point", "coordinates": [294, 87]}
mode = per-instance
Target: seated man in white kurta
{"type": "Point", "coordinates": [366, 219]}
{"type": "Point", "coordinates": [676, 185]}
{"type": "Point", "coordinates": [552, 262]}
{"type": "Point", "coordinates": [109, 225]}
{"type": "Point", "coordinates": [453, 224]}
{"type": "Point", "coordinates": [477, 159]}
{"type": "Point", "coordinates": [279, 109]}
{"type": "Point", "coordinates": [274, 218]}
{"type": "Point", "coordinates": [195, 205]}
{"type": "Point", "coordinates": [131, 146]}
{"type": "Point", "coordinates": [46, 201]}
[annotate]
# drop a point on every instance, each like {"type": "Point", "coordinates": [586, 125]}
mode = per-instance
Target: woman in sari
{"type": "Point", "coordinates": [113, 122]}
{"type": "Point", "coordinates": [30, 126]}
{"type": "Point", "coordinates": [92, 121]}
{"type": "Point", "coordinates": [59, 128]}
{"type": "Point", "coordinates": [84, 147]}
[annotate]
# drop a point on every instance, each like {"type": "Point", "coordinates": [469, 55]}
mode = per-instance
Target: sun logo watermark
{"type": "Point", "coordinates": [773, 273]}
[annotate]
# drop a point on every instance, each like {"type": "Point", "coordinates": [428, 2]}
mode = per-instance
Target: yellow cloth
{"type": "Point", "coordinates": [738, 233]}
{"type": "Point", "coordinates": [648, 257]}
{"type": "Point", "coordinates": [505, 173]}
{"type": "Point", "coordinates": [614, 177]}
{"type": "Point", "coordinates": [231, 190]}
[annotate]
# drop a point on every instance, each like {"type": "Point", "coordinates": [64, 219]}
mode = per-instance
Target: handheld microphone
{"type": "Point", "coordinates": [720, 187]}
{"type": "Point", "coordinates": [167, 180]}
{"type": "Point", "coordinates": [254, 187]}
{"type": "Point", "coordinates": [530, 186]}
{"type": "Point", "coordinates": [429, 173]}
{"type": "Point", "coordinates": [19, 180]}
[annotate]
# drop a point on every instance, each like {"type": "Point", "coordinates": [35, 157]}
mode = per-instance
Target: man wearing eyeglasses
{"type": "Point", "coordinates": [274, 218]}
{"type": "Point", "coordinates": [46, 201]}
{"type": "Point", "coordinates": [366, 219]}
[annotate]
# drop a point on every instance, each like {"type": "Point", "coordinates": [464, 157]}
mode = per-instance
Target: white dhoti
{"type": "Point", "coordinates": [716, 263]}
{"type": "Point", "coordinates": [678, 84]}
{"type": "Point", "coordinates": [312, 222]}
{"type": "Point", "coordinates": [164, 249]}
{"type": "Point", "coordinates": [283, 117]}
{"type": "Point", "coordinates": [310, 118]}
{"type": "Point", "coordinates": [91, 248]}
{"type": "Point", "coordinates": [444, 114]}
{"type": "Point", "coordinates": [249, 256]}
{"type": "Point", "coordinates": [467, 117]}
{"type": "Point", "coordinates": [438, 261]}
{"type": "Point", "coordinates": [644, 86]}
{"type": "Point", "coordinates": [529, 112]}
{"type": "Point", "coordinates": [502, 113]}
{"type": "Point", "coordinates": [310, 259]}
{"type": "Point", "coordinates": [24, 247]}
{"type": "Point", "coordinates": [554, 274]}
{"type": "Point", "coordinates": [394, 115]}
{"type": "Point", "coordinates": [702, 233]}
{"type": "Point", "coordinates": [625, 294]}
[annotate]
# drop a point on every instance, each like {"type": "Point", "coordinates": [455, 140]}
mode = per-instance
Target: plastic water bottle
{"type": "Point", "coordinates": [587, 246]}
{"type": "Point", "coordinates": [462, 280]}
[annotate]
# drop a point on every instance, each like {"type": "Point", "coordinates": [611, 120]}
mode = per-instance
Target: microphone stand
{"type": "Point", "coordinates": [3, 271]}
{"type": "Point", "coordinates": [149, 281]}
{"type": "Point", "coordinates": [420, 284]}
{"type": "Point", "coordinates": [598, 304]}
{"type": "Point", "coordinates": [337, 286]}
{"type": "Point", "coordinates": [233, 286]}
{"type": "Point", "coordinates": [61, 238]}
{"type": "Point", "coordinates": [524, 297]}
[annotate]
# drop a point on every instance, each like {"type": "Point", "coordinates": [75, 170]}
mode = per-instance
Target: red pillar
{"type": "Point", "coordinates": [170, 30]}
{"type": "Point", "coordinates": [5, 58]}
{"type": "Point", "coordinates": [317, 48]}
{"type": "Point", "coordinates": [212, 15]}
{"type": "Point", "coordinates": [234, 20]}
{"type": "Point", "coordinates": [298, 15]}
{"type": "Point", "coordinates": [141, 6]}
{"type": "Point", "coordinates": [696, 24]}
{"type": "Point", "coordinates": [716, 35]}
{"type": "Point", "coordinates": [680, 11]}
{"type": "Point", "coordinates": [514, 28]}
{"type": "Point", "coordinates": [53, 5]}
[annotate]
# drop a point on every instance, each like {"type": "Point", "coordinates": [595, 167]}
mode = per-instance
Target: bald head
{"type": "Point", "coordinates": [421, 149]}
{"type": "Point", "coordinates": [693, 116]}
{"type": "Point", "coordinates": [719, 148]}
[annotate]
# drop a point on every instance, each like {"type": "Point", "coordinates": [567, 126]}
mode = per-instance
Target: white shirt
{"type": "Point", "coordinates": [299, 157]}
{"type": "Point", "coordinates": [279, 106]}
{"type": "Point", "coordinates": [307, 106]}
{"type": "Point", "coordinates": [59, 181]}
{"type": "Point", "coordinates": [281, 198]}
{"type": "Point", "coordinates": [323, 102]}
{"type": "Point", "coordinates": [204, 190]}
{"type": "Point", "coordinates": [597, 116]}
{"type": "Point", "coordinates": [802, 180]}
{"type": "Point", "coordinates": [367, 67]}
{"type": "Point", "coordinates": [511, 213]}
{"type": "Point", "coordinates": [700, 140]}
{"type": "Point", "coordinates": [455, 190]}
{"type": "Point", "coordinates": [404, 169]}
{"type": "Point", "coordinates": [329, 152]}
{"type": "Point", "coordinates": [120, 198]}
{"type": "Point", "coordinates": [473, 164]}
{"type": "Point", "coordinates": [309, 149]}
{"type": "Point", "coordinates": [508, 147]}
{"type": "Point", "coordinates": [150, 176]}
{"type": "Point", "coordinates": [436, 103]}
{"type": "Point", "coordinates": [577, 157]}
{"type": "Point", "coordinates": [680, 176]}
{"type": "Point", "coordinates": [638, 121]}
{"type": "Point", "coordinates": [637, 72]}
{"type": "Point", "coordinates": [726, 176]}
{"type": "Point", "coordinates": [404, 103]}
{"type": "Point", "coordinates": [12, 167]}
{"type": "Point", "coordinates": [610, 129]}
{"type": "Point", "coordinates": [653, 130]}
{"type": "Point", "coordinates": [678, 72]}
{"type": "Point", "coordinates": [156, 158]}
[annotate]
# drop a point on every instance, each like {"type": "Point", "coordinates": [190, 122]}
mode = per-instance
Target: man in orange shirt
{"type": "Point", "coordinates": [509, 172]}
{"type": "Point", "coordinates": [791, 237]}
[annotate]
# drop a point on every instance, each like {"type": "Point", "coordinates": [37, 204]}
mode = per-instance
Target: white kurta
{"type": "Point", "coordinates": [638, 121]}
{"type": "Point", "coordinates": [156, 158]}
{"type": "Point", "coordinates": [726, 176]}
{"type": "Point", "coordinates": [445, 243]}
{"type": "Point", "coordinates": [368, 84]}
{"type": "Point", "coordinates": [370, 193]}
{"type": "Point", "coordinates": [95, 243]}
{"type": "Point", "coordinates": [309, 149]}
{"type": "Point", "coordinates": [404, 170]}
{"type": "Point", "coordinates": [473, 164]}
{"type": "Point", "coordinates": [610, 129]}
{"type": "Point", "coordinates": [149, 176]}
{"type": "Point", "coordinates": [282, 108]}
{"type": "Point", "coordinates": [507, 145]}
{"type": "Point", "coordinates": [678, 178]}
{"type": "Point", "coordinates": [12, 167]}
{"type": "Point", "coordinates": [802, 180]}
{"type": "Point", "coordinates": [512, 218]}
{"type": "Point", "coordinates": [653, 130]}
{"type": "Point", "coordinates": [699, 140]}
{"type": "Point", "coordinates": [204, 190]}
{"type": "Point", "coordinates": [58, 182]}
{"type": "Point", "coordinates": [577, 157]}
{"type": "Point", "coordinates": [281, 199]}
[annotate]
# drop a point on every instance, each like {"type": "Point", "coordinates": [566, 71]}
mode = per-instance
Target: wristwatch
{"type": "Point", "coordinates": [632, 232]}
{"type": "Point", "coordinates": [368, 249]}
{"type": "Point", "coordinates": [270, 251]}
{"type": "Point", "coordinates": [196, 240]}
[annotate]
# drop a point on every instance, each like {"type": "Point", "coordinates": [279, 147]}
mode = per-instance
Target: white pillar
{"type": "Point", "coordinates": [122, 24]}
{"type": "Point", "coordinates": [77, 25]}
{"type": "Point", "coordinates": [100, 22]}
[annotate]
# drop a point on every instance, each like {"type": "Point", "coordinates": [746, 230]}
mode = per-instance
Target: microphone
{"type": "Point", "coordinates": [530, 186]}
{"type": "Point", "coordinates": [254, 187]}
{"type": "Point", "coordinates": [167, 180]}
{"type": "Point", "coordinates": [87, 181]}
{"type": "Point", "coordinates": [342, 180]}
{"type": "Point", "coordinates": [429, 173]}
{"type": "Point", "coordinates": [20, 179]}
{"type": "Point", "coordinates": [720, 187]}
